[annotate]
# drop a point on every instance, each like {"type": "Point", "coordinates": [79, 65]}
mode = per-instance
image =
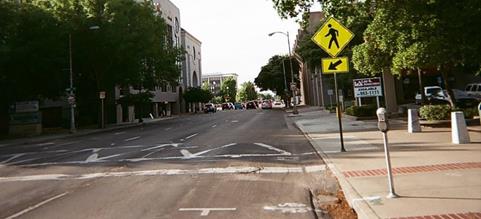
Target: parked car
{"type": "Point", "coordinates": [238, 106]}
{"type": "Point", "coordinates": [266, 105]}
{"type": "Point", "coordinates": [225, 106]}
{"type": "Point", "coordinates": [209, 108]}
{"type": "Point", "coordinates": [473, 90]}
{"type": "Point", "coordinates": [437, 95]}
{"type": "Point", "coordinates": [251, 105]}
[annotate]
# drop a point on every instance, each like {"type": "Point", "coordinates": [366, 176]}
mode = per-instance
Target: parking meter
{"type": "Point", "coordinates": [382, 122]}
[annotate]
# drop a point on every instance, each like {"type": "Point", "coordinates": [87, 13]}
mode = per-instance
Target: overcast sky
{"type": "Point", "coordinates": [234, 34]}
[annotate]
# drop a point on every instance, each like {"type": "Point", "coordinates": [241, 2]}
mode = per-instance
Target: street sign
{"type": "Point", "coordinates": [332, 37]}
{"type": "Point", "coordinates": [102, 94]}
{"type": "Point", "coordinates": [367, 87]}
{"type": "Point", "coordinates": [335, 65]}
{"type": "Point", "coordinates": [330, 92]}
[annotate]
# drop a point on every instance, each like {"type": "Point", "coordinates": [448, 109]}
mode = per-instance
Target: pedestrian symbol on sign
{"type": "Point", "coordinates": [334, 33]}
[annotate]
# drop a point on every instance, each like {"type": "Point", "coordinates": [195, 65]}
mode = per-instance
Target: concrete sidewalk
{"type": "Point", "coordinates": [80, 132]}
{"type": "Point", "coordinates": [434, 178]}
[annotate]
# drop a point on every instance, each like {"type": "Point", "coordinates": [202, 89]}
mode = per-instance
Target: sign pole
{"type": "Point", "coordinates": [338, 113]}
{"type": "Point", "coordinates": [377, 101]}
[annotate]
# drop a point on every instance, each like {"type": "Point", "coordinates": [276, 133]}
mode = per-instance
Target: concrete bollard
{"type": "Point", "coordinates": [413, 121]}
{"type": "Point", "coordinates": [459, 131]}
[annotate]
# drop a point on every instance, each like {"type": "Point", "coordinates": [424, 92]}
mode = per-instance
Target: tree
{"type": "Point", "coordinates": [271, 76]}
{"type": "Point", "coordinates": [229, 90]}
{"type": "Point", "coordinates": [197, 95]}
{"type": "Point", "coordinates": [247, 92]}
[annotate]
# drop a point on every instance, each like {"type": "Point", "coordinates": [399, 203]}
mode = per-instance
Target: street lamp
{"type": "Point", "coordinates": [294, 111]}
{"type": "Point", "coordinates": [71, 94]}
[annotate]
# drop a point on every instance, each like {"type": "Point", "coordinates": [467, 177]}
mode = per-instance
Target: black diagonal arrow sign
{"type": "Point", "coordinates": [333, 66]}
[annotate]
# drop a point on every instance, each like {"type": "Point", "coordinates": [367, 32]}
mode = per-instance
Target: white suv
{"type": "Point", "coordinates": [474, 90]}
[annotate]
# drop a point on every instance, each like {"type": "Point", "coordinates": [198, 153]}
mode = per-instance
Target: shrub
{"type": "Point", "coordinates": [435, 112]}
{"type": "Point", "coordinates": [470, 113]}
{"type": "Point", "coordinates": [360, 111]}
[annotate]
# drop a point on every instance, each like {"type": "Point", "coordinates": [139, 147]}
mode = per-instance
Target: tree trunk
{"type": "Point", "coordinates": [450, 93]}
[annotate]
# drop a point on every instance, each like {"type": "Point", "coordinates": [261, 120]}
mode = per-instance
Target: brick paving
{"type": "Point", "coordinates": [413, 169]}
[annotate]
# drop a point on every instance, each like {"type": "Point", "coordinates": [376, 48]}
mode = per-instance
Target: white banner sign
{"type": "Point", "coordinates": [367, 87]}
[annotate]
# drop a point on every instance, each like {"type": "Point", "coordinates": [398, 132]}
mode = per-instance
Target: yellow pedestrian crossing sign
{"type": "Point", "coordinates": [335, 65]}
{"type": "Point", "coordinates": [332, 37]}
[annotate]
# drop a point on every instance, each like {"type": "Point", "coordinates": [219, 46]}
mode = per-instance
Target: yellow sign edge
{"type": "Point", "coordinates": [342, 48]}
{"type": "Point", "coordinates": [347, 71]}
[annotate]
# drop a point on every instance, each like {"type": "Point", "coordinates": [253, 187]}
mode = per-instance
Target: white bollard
{"type": "Point", "coordinates": [479, 111]}
{"type": "Point", "coordinates": [459, 131]}
{"type": "Point", "coordinates": [413, 121]}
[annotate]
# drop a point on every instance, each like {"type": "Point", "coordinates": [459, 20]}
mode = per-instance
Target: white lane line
{"type": "Point", "coordinates": [131, 139]}
{"type": "Point", "coordinates": [191, 136]}
{"type": "Point", "coordinates": [153, 152]}
{"type": "Point", "coordinates": [157, 172]}
{"type": "Point", "coordinates": [11, 158]}
{"type": "Point", "coordinates": [67, 143]}
{"type": "Point", "coordinates": [161, 146]}
{"type": "Point", "coordinates": [273, 148]}
{"type": "Point", "coordinates": [312, 169]}
{"type": "Point", "coordinates": [92, 158]}
{"type": "Point", "coordinates": [119, 133]}
{"type": "Point", "coordinates": [234, 121]}
{"type": "Point", "coordinates": [213, 126]}
{"type": "Point", "coordinates": [167, 129]}
{"type": "Point", "coordinates": [206, 211]}
{"type": "Point", "coordinates": [18, 214]}
{"type": "Point", "coordinates": [46, 143]}
{"type": "Point", "coordinates": [207, 151]}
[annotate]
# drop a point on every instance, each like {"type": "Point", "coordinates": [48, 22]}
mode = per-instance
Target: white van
{"type": "Point", "coordinates": [473, 90]}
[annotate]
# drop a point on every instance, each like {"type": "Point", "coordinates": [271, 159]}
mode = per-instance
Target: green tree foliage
{"type": "Point", "coordinates": [229, 90]}
{"type": "Point", "coordinates": [197, 95]}
{"type": "Point", "coordinates": [271, 76]}
{"type": "Point", "coordinates": [247, 91]}
{"type": "Point", "coordinates": [129, 46]}
{"type": "Point", "coordinates": [401, 35]}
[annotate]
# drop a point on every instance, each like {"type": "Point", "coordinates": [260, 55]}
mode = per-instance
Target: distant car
{"type": "Point", "coordinates": [209, 108]}
{"type": "Point", "coordinates": [238, 106]}
{"type": "Point", "coordinates": [225, 106]}
{"type": "Point", "coordinates": [251, 105]}
{"type": "Point", "coordinates": [277, 104]}
{"type": "Point", "coordinates": [266, 105]}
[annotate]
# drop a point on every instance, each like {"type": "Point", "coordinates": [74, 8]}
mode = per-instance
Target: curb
{"type": "Point", "coordinates": [354, 199]}
{"type": "Point", "coordinates": [78, 134]}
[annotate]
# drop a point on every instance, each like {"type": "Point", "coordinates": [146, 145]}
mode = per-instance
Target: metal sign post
{"type": "Point", "coordinates": [338, 113]}
{"type": "Point", "coordinates": [102, 97]}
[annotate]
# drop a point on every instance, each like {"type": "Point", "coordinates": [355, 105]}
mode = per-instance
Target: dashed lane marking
{"type": "Point", "coordinates": [119, 133]}
{"type": "Point", "coordinates": [133, 138]}
{"type": "Point", "coordinates": [165, 172]}
{"type": "Point", "coordinates": [18, 214]}
{"type": "Point", "coordinates": [191, 136]}
{"type": "Point", "coordinates": [206, 211]}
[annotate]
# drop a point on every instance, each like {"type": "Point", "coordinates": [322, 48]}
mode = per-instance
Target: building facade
{"type": "Point", "coordinates": [191, 66]}
{"type": "Point", "coordinates": [215, 80]}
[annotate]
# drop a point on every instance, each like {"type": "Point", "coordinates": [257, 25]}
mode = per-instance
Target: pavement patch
{"type": "Point", "coordinates": [166, 172]}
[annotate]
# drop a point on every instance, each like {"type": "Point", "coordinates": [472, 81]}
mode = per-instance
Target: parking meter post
{"type": "Point", "coordinates": [479, 112]}
{"type": "Point", "coordinates": [383, 126]}
{"type": "Point", "coordinates": [338, 114]}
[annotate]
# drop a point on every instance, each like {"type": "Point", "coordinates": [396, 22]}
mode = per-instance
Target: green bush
{"type": "Point", "coordinates": [435, 112]}
{"type": "Point", "coordinates": [361, 111]}
{"type": "Point", "coordinates": [470, 113]}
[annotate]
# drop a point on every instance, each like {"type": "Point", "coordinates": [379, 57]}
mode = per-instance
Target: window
{"type": "Point", "coordinates": [193, 49]}
{"type": "Point", "coordinates": [468, 88]}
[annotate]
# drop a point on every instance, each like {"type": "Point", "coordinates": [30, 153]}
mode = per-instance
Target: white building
{"type": "Point", "coordinates": [215, 80]}
{"type": "Point", "coordinates": [192, 64]}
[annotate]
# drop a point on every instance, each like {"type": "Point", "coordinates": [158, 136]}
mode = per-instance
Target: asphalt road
{"type": "Point", "coordinates": [231, 164]}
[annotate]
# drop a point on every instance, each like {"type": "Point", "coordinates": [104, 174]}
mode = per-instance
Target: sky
{"type": "Point", "coordinates": [234, 34]}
